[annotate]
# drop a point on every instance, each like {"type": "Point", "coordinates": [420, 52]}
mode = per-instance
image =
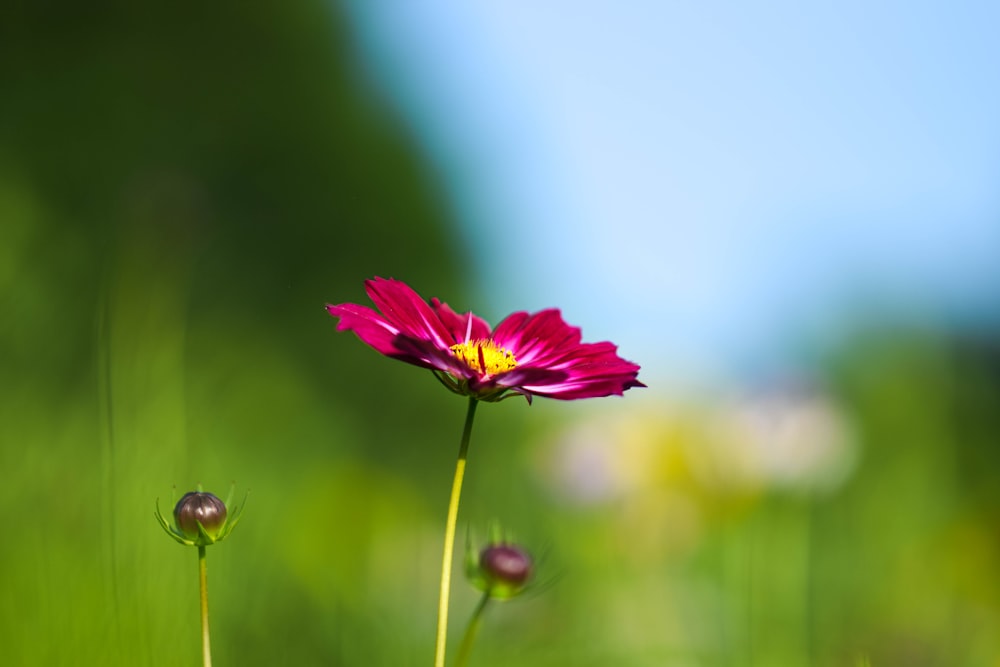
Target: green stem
{"type": "Point", "coordinates": [449, 537]}
{"type": "Point", "coordinates": [465, 649]}
{"type": "Point", "coordinates": [206, 648]}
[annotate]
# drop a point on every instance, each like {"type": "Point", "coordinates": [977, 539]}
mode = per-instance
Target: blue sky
{"type": "Point", "coordinates": [708, 184]}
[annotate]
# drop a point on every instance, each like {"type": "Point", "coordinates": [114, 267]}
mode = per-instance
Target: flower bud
{"type": "Point", "coordinates": [201, 519]}
{"type": "Point", "coordinates": [197, 507]}
{"type": "Point", "coordinates": [506, 563]}
{"type": "Point", "coordinates": [503, 570]}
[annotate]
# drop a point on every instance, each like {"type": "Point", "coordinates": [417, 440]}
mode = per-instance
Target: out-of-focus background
{"type": "Point", "coordinates": [788, 215]}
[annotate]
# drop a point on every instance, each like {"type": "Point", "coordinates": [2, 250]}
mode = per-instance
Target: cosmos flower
{"type": "Point", "coordinates": [526, 354]}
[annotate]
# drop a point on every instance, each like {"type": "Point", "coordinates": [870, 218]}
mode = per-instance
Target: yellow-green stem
{"type": "Point", "coordinates": [465, 649]}
{"type": "Point", "coordinates": [206, 648]}
{"type": "Point", "coordinates": [449, 537]}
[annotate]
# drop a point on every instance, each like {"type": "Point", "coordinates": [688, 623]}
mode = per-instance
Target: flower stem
{"type": "Point", "coordinates": [465, 649]}
{"type": "Point", "coordinates": [206, 648]}
{"type": "Point", "coordinates": [449, 537]}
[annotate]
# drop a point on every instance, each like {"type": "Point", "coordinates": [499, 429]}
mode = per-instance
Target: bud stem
{"type": "Point", "coordinates": [465, 649]}
{"type": "Point", "coordinates": [206, 648]}
{"type": "Point", "coordinates": [449, 537]}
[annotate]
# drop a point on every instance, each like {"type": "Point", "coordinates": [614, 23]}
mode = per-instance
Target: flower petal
{"type": "Point", "coordinates": [402, 307]}
{"type": "Point", "coordinates": [536, 338]}
{"type": "Point", "coordinates": [520, 377]}
{"type": "Point", "coordinates": [544, 341]}
{"type": "Point", "coordinates": [591, 378]}
{"type": "Point", "coordinates": [463, 328]}
{"type": "Point", "coordinates": [570, 390]}
{"type": "Point", "coordinates": [370, 327]}
{"type": "Point", "coordinates": [429, 355]}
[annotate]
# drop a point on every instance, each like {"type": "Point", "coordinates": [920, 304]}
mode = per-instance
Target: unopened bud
{"type": "Point", "coordinates": [198, 507]}
{"type": "Point", "coordinates": [201, 519]}
{"type": "Point", "coordinates": [502, 571]}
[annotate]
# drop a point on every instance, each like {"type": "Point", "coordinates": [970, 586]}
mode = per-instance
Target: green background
{"type": "Point", "coordinates": [182, 189]}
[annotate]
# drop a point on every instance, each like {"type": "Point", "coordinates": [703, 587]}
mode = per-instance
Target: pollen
{"type": "Point", "coordinates": [484, 356]}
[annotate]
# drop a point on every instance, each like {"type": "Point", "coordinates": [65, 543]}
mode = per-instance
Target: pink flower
{"type": "Point", "coordinates": [529, 354]}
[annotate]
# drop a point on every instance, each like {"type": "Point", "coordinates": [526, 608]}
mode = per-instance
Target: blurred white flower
{"type": "Point", "coordinates": [784, 439]}
{"type": "Point", "coordinates": [604, 457]}
{"type": "Point", "coordinates": [788, 438]}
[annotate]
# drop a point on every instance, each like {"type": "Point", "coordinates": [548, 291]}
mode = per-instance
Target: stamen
{"type": "Point", "coordinates": [484, 356]}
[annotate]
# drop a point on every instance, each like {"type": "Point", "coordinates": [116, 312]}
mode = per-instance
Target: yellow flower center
{"type": "Point", "coordinates": [485, 356]}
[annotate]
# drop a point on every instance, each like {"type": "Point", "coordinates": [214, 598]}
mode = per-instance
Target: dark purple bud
{"type": "Point", "coordinates": [505, 564]}
{"type": "Point", "coordinates": [199, 507]}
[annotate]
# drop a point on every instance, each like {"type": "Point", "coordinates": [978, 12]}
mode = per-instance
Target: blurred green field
{"type": "Point", "coordinates": [179, 198]}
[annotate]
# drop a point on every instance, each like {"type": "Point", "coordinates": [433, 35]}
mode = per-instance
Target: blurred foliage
{"type": "Point", "coordinates": [182, 188]}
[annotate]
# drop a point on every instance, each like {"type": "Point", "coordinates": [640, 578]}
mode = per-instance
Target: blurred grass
{"type": "Point", "coordinates": [181, 190]}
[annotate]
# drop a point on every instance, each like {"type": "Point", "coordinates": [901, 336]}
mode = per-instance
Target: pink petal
{"type": "Point", "coordinates": [370, 327]}
{"type": "Point", "coordinates": [427, 354]}
{"type": "Point", "coordinates": [463, 328]}
{"type": "Point", "coordinates": [537, 336]}
{"type": "Point", "coordinates": [407, 311]}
